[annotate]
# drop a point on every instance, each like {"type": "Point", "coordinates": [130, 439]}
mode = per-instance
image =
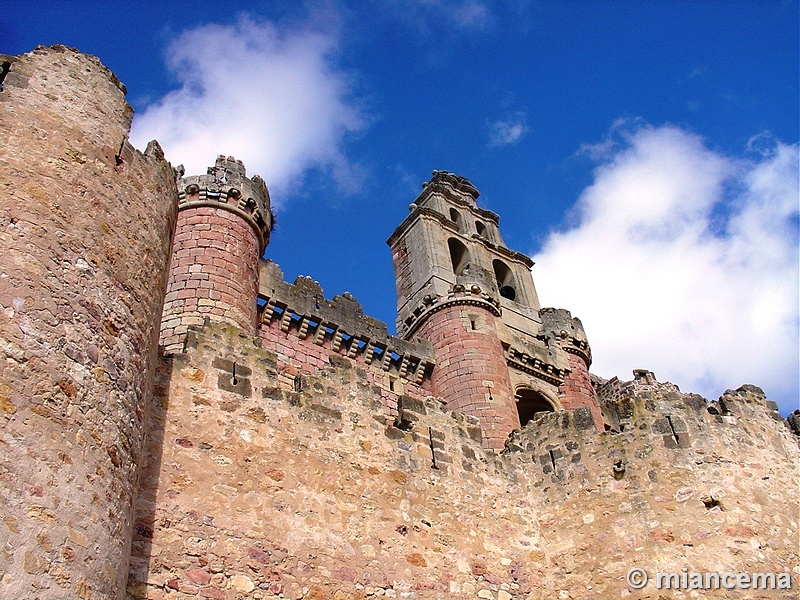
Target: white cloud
{"type": "Point", "coordinates": [508, 132]}
{"type": "Point", "coordinates": [269, 97]}
{"type": "Point", "coordinates": [684, 261]}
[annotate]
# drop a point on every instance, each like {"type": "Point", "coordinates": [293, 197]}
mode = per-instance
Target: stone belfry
{"type": "Point", "coordinates": [499, 356]}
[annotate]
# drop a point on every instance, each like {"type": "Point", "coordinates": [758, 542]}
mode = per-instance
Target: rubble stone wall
{"type": "Point", "coordinates": [86, 228]}
{"type": "Point", "coordinates": [258, 490]}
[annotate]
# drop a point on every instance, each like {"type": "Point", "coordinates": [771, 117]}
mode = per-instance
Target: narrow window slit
{"type": "Point", "coordinates": [118, 155]}
{"type": "Point", "coordinates": [433, 450]}
{"type": "Point", "coordinates": [672, 427]}
{"type": "Point", "coordinates": [4, 68]}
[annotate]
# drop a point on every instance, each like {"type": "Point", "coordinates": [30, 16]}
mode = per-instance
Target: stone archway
{"type": "Point", "coordinates": [530, 402]}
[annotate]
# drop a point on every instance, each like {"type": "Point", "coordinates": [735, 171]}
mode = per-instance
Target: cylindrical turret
{"type": "Point", "coordinates": [224, 222]}
{"type": "Point", "coordinates": [577, 390]}
{"type": "Point", "coordinates": [471, 373]}
{"type": "Point", "coordinates": [85, 226]}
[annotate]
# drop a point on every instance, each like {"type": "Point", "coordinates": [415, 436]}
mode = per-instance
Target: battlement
{"type": "Point", "coordinates": [227, 187]}
{"type": "Point", "coordinates": [558, 323]}
{"type": "Point", "coordinates": [340, 325]}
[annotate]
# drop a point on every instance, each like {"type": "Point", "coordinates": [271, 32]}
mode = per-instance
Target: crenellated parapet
{"type": "Point", "coordinates": [622, 400]}
{"type": "Point", "coordinates": [226, 186]}
{"type": "Point", "coordinates": [559, 324]}
{"type": "Point", "coordinates": [340, 325]}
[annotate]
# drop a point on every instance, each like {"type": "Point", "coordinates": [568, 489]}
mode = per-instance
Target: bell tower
{"type": "Point", "coordinates": [461, 288]}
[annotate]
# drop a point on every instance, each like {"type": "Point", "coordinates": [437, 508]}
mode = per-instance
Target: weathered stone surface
{"type": "Point", "coordinates": [86, 227]}
{"type": "Point", "coordinates": [339, 507]}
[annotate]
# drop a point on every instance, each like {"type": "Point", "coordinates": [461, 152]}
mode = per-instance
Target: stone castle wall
{"type": "Point", "coordinates": [256, 489]}
{"type": "Point", "coordinates": [304, 329]}
{"type": "Point", "coordinates": [86, 228]}
{"type": "Point", "coordinates": [296, 449]}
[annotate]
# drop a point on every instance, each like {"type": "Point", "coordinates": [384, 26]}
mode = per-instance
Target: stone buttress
{"type": "Point", "coordinates": [224, 223]}
{"type": "Point", "coordinates": [86, 228]}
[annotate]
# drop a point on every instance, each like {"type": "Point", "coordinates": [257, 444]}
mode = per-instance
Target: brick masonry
{"type": "Point", "coordinates": [577, 390]}
{"type": "Point", "coordinates": [213, 273]}
{"type": "Point", "coordinates": [471, 371]}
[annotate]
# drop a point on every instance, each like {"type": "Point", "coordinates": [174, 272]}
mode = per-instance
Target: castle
{"type": "Point", "coordinates": [180, 422]}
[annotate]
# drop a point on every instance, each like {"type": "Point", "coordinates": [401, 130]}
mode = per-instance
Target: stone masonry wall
{"type": "Point", "coordinates": [259, 491]}
{"type": "Point", "coordinates": [297, 358]}
{"type": "Point", "coordinates": [679, 486]}
{"type": "Point", "coordinates": [256, 490]}
{"type": "Point", "coordinates": [85, 225]}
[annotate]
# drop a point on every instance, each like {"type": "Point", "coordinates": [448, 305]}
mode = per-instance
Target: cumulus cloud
{"type": "Point", "coordinates": [509, 131]}
{"type": "Point", "coordinates": [684, 261]}
{"type": "Point", "coordinates": [270, 97]}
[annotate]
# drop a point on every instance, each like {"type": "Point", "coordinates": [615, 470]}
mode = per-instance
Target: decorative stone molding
{"type": "Point", "coordinates": [525, 362]}
{"type": "Point", "coordinates": [227, 187]}
{"type": "Point", "coordinates": [458, 295]}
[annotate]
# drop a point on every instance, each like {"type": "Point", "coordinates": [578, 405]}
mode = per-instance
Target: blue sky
{"type": "Point", "coordinates": [644, 153]}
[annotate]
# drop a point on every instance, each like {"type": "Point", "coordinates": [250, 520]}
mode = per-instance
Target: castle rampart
{"type": "Point", "coordinates": [286, 446]}
{"type": "Point", "coordinates": [86, 229]}
{"type": "Point", "coordinates": [305, 328]}
{"type": "Point", "coordinates": [325, 492]}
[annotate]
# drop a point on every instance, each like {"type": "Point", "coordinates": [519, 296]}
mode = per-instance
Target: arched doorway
{"type": "Point", "coordinates": [529, 403]}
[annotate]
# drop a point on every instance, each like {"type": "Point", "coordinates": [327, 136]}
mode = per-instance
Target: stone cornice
{"type": "Point", "coordinates": [226, 186]}
{"type": "Point", "coordinates": [522, 361]}
{"type": "Point", "coordinates": [579, 348]}
{"type": "Point", "coordinates": [408, 360]}
{"type": "Point", "coordinates": [512, 255]}
{"type": "Point", "coordinates": [458, 296]}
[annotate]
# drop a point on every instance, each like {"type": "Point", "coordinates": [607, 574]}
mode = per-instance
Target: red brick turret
{"type": "Point", "coordinates": [224, 222]}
